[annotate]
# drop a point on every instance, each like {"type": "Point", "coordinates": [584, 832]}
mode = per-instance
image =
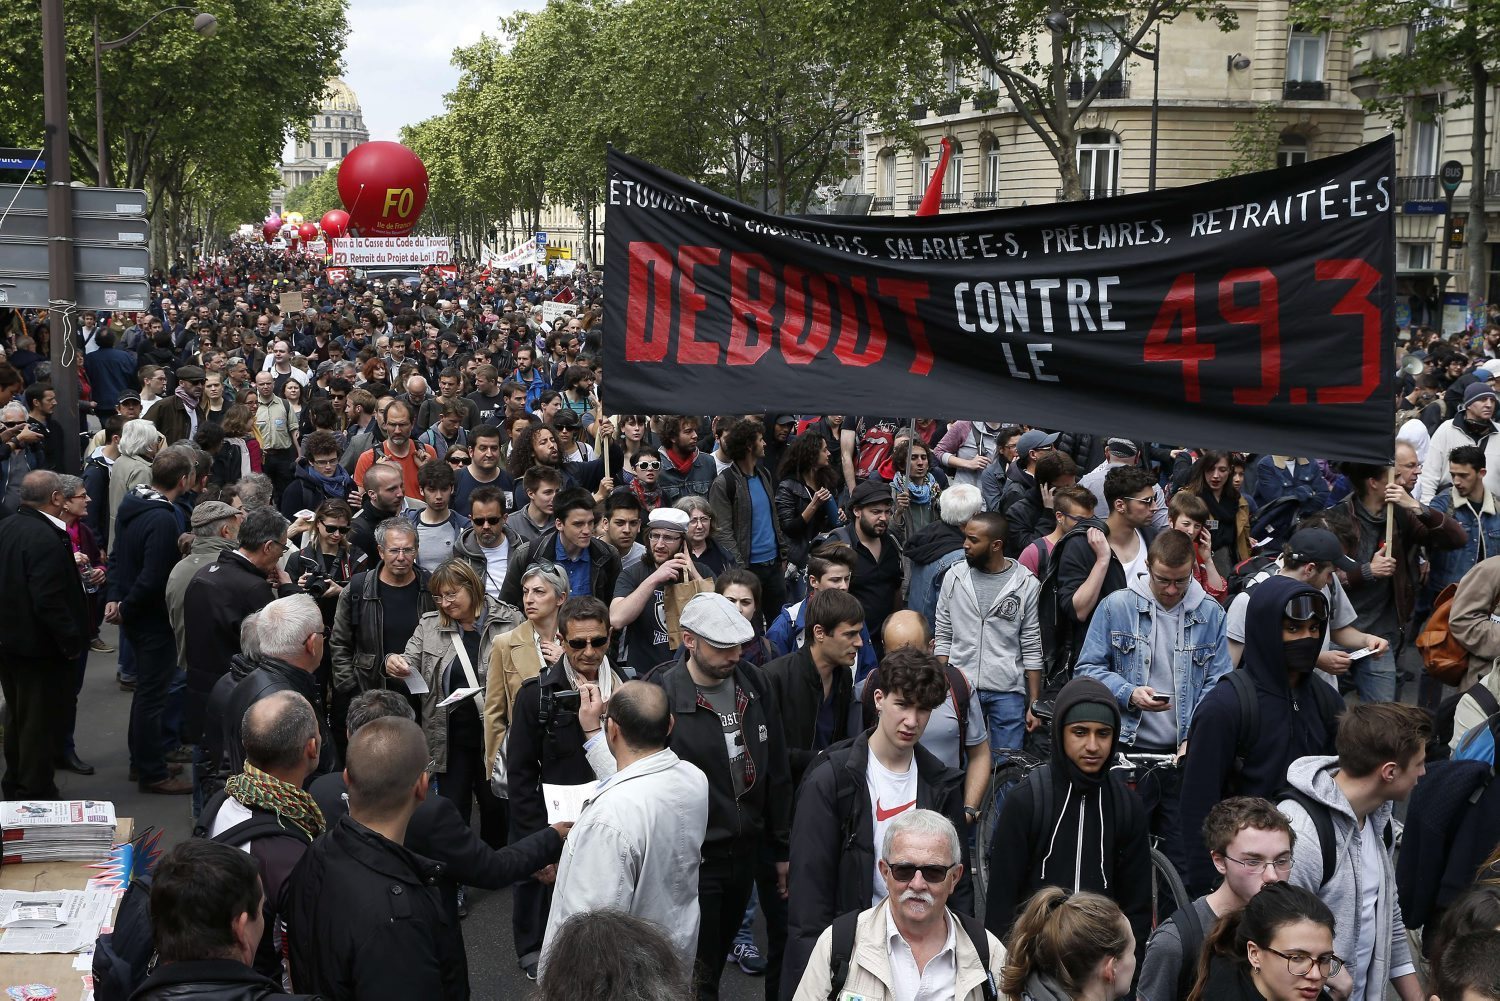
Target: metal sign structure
{"type": "Point", "coordinates": [110, 254]}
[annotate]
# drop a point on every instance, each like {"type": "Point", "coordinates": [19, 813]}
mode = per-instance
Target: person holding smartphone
{"type": "Point", "coordinates": [1158, 645]}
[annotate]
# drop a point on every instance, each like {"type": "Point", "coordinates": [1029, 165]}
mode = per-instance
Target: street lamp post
{"type": "Point", "coordinates": [204, 24]}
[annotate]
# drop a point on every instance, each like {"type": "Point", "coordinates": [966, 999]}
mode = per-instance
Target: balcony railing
{"type": "Point", "coordinates": [883, 204]}
{"type": "Point", "coordinates": [1092, 193]}
{"type": "Point", "coordinates": [984, 100]}
{"type": "Point", "coordinates": [913, 202]}
{"type": "Point", "coordinates": [951, 201]}
{"type": "Point", "coordinates": [949, 105]}
{"type": "Point", "coordinates": [989, 199]}
{"type": "Point", "coordinates": [1114, 87]}
{"type": "Point", "coordinates": [1422, 188]}
{"type": "Point", "coordinates": [917, 112]}
{"type": "Point", "coordinates": [1305, 90]}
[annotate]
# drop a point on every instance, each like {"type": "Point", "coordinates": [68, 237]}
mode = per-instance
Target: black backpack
{"type": "Point", "coordinates": [1328, 702]}
{"type": "Point", "coordinates": [1242, 575]}
{"type": "Point", "coordinates": [1191, 933]}
{"type": "Point", "coordinates": [1057, 628]}
{"type": "Point", "coordinates": [844, 927]}
{"type": "Point", "coordinates": [124, 957]}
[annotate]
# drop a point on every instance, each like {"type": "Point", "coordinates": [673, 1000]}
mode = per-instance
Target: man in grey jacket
{"type": "Point", "coordinates": [1381, 754]}
{"type": "Point", "coordinates": [637, 846]}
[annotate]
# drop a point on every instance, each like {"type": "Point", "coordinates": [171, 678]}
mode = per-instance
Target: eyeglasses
{"type": "Point", "coordinates": [597, 642]}
{"type": "Point", "coordinates": [1282, 865]}
{"type": "Point", "coordinates": [1148, 501]}
{"type": "Point", "coordinates": [402, 551]}
{"type": "Point", "coordinates": [1305, 607]}
{"type": "Point", "coordinates": [1300, 964]}
{"type": "Point", "coordinates": [647, 464]}
{"type": "Point", "coordinates": [458, 460]}
{"type": "Point", "coordinates": [335, 529]}
{"type": "Point", "coordinates": [487, 521]}
{"type": "Point", "coordinates": [329, 461]}
{"type": "Point", "coordinates": [1173, 581]}
{"type": "Point", "coordinates": [903, 872]}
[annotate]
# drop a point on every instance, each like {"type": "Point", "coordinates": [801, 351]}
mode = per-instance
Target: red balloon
{"type": "Point", "coordinates": [383, 186]}
{"type": "Point", "coordinates": [335, 223]}
{"type": "Point", "coordinates": [308, 231]}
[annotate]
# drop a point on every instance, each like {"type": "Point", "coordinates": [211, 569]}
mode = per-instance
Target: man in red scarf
{"type": "Point", "coordinates": [685, 472]}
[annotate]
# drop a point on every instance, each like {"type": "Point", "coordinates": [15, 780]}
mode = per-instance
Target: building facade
{"type": "Point", "coordinates": [337, 128]}
{"type": "Point", "coordinates": [1209, 82]}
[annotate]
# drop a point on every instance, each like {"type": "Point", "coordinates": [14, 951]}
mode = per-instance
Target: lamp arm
{"type": "Point", "coordinates": [127, 39]}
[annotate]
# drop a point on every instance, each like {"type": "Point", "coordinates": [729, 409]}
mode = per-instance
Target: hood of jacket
{"type": "Point", "coordinates": [1191, 600]}
{"type": "Point", "coordinates": [934, 541]}
{"type": "Point", "coordinates": [140, 502]}
{"type": "Point", "coordinates": [1040, 987]}
{"type": "Point", "coordinates": [1313, 775]}
{"type": "Point", "coordinates": [1077, 691]}
{"type": "Point", "coordinates": [1263, 657]}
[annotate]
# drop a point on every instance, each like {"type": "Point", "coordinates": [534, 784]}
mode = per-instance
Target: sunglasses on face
{"type": "Point", "coordinates": [458, 460]}
{"type": "Point", "coordinates": [597, 642]}
{"type": "Point", "coordinates": [648, 464]}
{"type": "Point", "coordinates": [905, 872]}
{"type": "Point", "coordinates": [335, 529]}
{"type": "Point", "coordinates": [491, 521]}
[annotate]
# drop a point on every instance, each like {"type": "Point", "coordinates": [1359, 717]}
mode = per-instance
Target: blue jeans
{"type": "Point", "coordinates": [126, 670]}
{"type": "Point", "coordinates": [746, 934]}
{"type": "Point", "coordinates": [1005, 715]}
{"type": "Point", "coordinates": [156, 666]}
{"type": "Point", "coordinates": [1375, 676]}
{"type": "Point", "coordinates": [72, 716]}
{"type": "Point", "coordinates": [171, 718]}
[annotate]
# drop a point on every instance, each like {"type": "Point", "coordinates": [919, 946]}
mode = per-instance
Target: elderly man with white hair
{"type": "Point", "coordinates": [289, 632]}
{"type": "Point", "coordinates": [910, 944]}
{"type": "Point", "coordinates": [140, 440]}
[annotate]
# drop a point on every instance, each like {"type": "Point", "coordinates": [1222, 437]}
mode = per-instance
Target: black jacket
{"type": "Point", "coordinates": [733, 512]}
{"type": "Point", "coordinates": [796, 691]}
{"type": "Point", "coordinates": [763, 813]}
{"type": "Point", "coordinates": [271, 676]}
{"type": "Point", "coordinates": [216, 602]}
{"type": "Point", "coordinates": [362, 528]}
{"type": "Point", "coordinates": [439, 832]}
{"type": "Point", "coordinates": [48, 613]}
{"type": "Point", "coordinates": [1027, 517]}
{"type": "Point", "coordinates": [1074, 560]}
{"type": "Point", "coordinates": [833, 862]}
{"type": "Point", "coordinates": [1096, 837]}
{"type": "Point", "coordinates": [210, 980]}
{"type": "Point", "coordinates": [366, 922]}
{"type": "Point", "coordinates": [538, 751]}
{"type": "Point", "coordinates": [1294, 723]}
{"type": "Point", "coordinates": [604, 566]}
{"type": "Point", "coordinates": [146, 528]}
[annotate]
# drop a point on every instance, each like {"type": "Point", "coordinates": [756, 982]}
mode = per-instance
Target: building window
{"type": "Point", "coordinates": [1417, 256]}
{"type": "Point", "coordinates": [327, 121]}
{"type": "Point", "coordinates": [953, 179]}
{"type": "Point", "coordinates": [328, 150]}
{"type": "Point", "coordinates": [992, 169]}
{"type": "Point", "coordinates": [344, 148]}
{"type": "Point", "coordinates": [1304, 56]}
{"type": "Point", "coordinates": [1095, 50]}
{"type": "Point", "coordinates": [341, 122]}
{"type": "Point", "coordinates": [1099, 163]}
{"type": "Point", "coordinates": [1292, 151]}
{"type": "Point", "coordinates": [1426, 136]}
{"type": "Point", "coordinates": [885, 174]}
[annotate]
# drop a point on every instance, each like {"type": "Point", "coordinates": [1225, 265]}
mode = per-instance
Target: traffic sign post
{"type": "Point", "coordinates": [1450, 176]}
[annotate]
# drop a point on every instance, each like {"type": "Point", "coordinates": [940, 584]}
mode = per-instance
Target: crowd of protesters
{"type": "Point", "coordinates": [385, 570]}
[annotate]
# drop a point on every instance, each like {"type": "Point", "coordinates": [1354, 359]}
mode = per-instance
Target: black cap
{"type": "Point", "coordinates": [1318, 545]}
{"type": "Point", "coordinates": [869, 492]}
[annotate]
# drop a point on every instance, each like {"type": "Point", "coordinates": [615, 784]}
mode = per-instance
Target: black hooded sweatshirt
{"type": "Point", "coordinates": [1095, 839]}
{"type": "Point", "coordinates": [1296, 720]}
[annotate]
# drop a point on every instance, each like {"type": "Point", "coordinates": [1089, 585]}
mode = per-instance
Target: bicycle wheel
{"type": "Point", "coordinates": [1006, 776]}
{"type": "Point", "coordinates": [1167, 890]}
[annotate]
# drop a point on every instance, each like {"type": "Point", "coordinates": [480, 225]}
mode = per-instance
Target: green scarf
{"type": "Point", "coordinates": [254, 788]}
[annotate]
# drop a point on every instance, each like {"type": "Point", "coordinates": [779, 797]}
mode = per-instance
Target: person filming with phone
{"type": "Point", "coordinates": [1158, 645]}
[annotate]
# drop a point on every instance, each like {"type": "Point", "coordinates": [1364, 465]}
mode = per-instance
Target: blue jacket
{"type": "Point", "coordinates": [111, 372]}
{"type": "Point", "coordinates": [1117, 652]}
{"type": "Point", "coordinates": [146, 529]}
{"type": "Point", "coordinates": [1449, 565]}
{"type": "Point", "coordinates": [786, 636]}
{"type": "Point", "coordinates": [1303, 480]}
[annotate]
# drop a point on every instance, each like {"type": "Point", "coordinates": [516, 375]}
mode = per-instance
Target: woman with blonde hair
{"type": "Point", "coordinates": [1069, 947]}
{"type": "Point", "coordinates": [450, 650]}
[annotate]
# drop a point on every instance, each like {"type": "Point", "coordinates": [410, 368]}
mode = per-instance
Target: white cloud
{"type": "Point", "coordinates": [397, 55]}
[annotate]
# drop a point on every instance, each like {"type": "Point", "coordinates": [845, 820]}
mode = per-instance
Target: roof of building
{"type": "Point", "coordinates": [339, 97]}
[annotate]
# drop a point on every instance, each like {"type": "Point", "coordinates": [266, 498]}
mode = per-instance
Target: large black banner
{"type": "Point", "coordinates": [1252, 314]}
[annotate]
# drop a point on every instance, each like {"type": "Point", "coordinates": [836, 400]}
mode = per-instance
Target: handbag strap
{"type": "Point", "coordinates": [462, 653]}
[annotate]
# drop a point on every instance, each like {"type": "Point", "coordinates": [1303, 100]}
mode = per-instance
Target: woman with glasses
{"type": "Point", "coordinates": [318, 476]}
{"type": "Point", "coordinates": [450, 651]}
{"type": "Point", "coordinates": [1279, 948]}
{"type": "Point", "coordinates": [525, 651]}
{"type": "Point", "coordinates": [700, 536]}
{"type": "Point", "coordinates": [1069, 947]}
{"type": "Point", "coordinates": [458, 458]}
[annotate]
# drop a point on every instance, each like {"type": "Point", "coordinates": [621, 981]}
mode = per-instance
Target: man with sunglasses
{"type": "Point", "coordinates": [638, 609]}
{"type": "Point", "coordinates": [920, 866]}
{"type": "Point", "coordinates": [1260, 718]}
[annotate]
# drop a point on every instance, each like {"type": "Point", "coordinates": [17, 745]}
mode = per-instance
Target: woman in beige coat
{"type": "Point", "coordinates": [523, 652]}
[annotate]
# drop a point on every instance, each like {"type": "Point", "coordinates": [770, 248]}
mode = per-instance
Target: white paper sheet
{"type": "Point", "coordinates": [565, 803]}
{"type": "Point", "coordinates": [459, 695]}
{"type": "Point", "coordinates": [415, 683]}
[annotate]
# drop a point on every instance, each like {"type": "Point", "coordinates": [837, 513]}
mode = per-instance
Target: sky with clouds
{"type": "Point", "coordinates": [397, 55]}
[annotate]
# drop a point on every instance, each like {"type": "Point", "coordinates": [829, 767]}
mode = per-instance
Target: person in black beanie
{"type": "Point", "coordinates": [1073, 823]}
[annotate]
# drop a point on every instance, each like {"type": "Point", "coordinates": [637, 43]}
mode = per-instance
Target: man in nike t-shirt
{"type": "Point", "coordinates": [881, 775]}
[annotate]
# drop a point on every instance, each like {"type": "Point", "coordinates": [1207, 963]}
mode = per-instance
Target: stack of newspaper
{"type": "Point", "coordinates": [56, 830]}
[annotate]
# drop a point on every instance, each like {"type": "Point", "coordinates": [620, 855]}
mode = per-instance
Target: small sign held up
{"type": "Point", "coordinates": [292, 302]}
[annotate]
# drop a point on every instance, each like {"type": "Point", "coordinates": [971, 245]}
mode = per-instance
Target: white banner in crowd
{"type": "Point", "coordinates": [552, 310]}
{"type": "Point", "coordinates": [562, 267]}
{"type": "Point", "coordinates": [419, 251]}
{"type": "Point", "coordinates": [520, 255]}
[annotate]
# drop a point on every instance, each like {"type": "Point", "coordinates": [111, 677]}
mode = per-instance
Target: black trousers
{"type": "Point", "coordinates": [772, 577]}
{"type": "Point", "coordinates": [773, 909]}
{"type": "Point", "coordinates": [724, 882]}
{"type": "Point", "coordinates": [37, 694]}
{"type": "Point", "coordinates": [467, 781]}
{"type": "Point", "coordinates": [531, 903]}
{"type": "Point", "coordinates": [280, 464]}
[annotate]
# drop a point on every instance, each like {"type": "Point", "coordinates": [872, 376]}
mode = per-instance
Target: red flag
{"type": "Point", "coordinates": [933, 199]}
{"type": "Point", "coordinates": [565, 294]}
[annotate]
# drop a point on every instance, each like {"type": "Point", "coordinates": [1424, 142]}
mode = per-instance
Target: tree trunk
{"type": "Point", "coordinates": [1474, 236]}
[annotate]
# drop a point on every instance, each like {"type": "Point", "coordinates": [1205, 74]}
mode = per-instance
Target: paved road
{"type": "Point", "coordinates": [103, 715]}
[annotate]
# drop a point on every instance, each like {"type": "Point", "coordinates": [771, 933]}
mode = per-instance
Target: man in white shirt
{"type": "Point", "coordinates": [910, 946]}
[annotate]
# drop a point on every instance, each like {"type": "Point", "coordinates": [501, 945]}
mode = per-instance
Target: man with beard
{"type": "Point", "coordinates": [527, 375]}
{"type": "Point", "coordinates": [686, 472]}
{"type": "Point", "coordinates": [483, 469]}
{"type": "Point", "coordinates": [398, 449]}
{"type": "Point", "coordinates": [745, 521]}
{"type": "Point", "coordinates": [877, 574]}
{"type": "Point", "coordinates": [638, 607]}
{"type": "Point", "coordinates": [1472, 425]}
{"type": "Point", "coordinates": [384, 498]}
{"type": "Point", "coordinates": [489, 543]}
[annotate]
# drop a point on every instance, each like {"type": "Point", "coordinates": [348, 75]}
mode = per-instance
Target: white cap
{"type": "Point", "coordinates": [715, 620]}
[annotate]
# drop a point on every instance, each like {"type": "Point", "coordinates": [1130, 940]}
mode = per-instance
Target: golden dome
{"type": "Point", "coordinates": [338, 97]}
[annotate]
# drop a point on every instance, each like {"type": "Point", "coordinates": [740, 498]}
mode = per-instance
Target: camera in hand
{"type": "Point", "coordinates": [318, 584]}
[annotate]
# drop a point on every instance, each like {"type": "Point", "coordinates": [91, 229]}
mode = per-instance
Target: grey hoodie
{"type": "Point", "coordinates": [1391, 956]}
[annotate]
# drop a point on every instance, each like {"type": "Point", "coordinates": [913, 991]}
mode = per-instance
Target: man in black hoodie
{"type": "Point", "coordinates": [146, 530]}
{"type": "Point", "coordinates": [1073, 823]}
{"type": "Point", "coordinates": [1296, 713]}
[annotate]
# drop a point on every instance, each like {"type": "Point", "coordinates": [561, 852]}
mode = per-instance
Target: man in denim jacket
{"type": "Point", "coordinates": [1159, 645]}
{"type": "Point", "coordinates": [1475, 508]}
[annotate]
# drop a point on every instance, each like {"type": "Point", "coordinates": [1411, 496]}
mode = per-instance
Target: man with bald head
{"type": "Point", "coordinates": [637, 846]}
{"type": "Point", "coordinates": [365, 918]}
{"type": "Point", "coordinates": [385, 497]}
{"type": "Point", "coordinates": [46, 630]}
{"type": "Point", "coordinates": [956, 729]}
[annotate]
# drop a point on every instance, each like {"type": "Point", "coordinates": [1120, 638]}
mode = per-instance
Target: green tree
{"type": "Point", "coordinates": [1452, 49]}
{"type": "Point", "coordinates": [1255, 141]}
{"type": "Point", "coordinates": [1044, 52]}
